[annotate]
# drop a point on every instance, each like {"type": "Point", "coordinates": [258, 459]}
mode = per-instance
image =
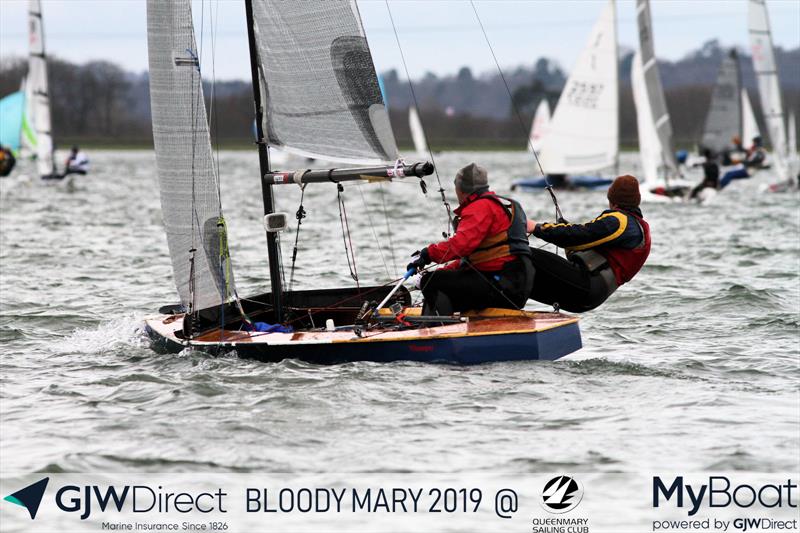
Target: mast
{"type": "Point", "coordinates": [263, 159]}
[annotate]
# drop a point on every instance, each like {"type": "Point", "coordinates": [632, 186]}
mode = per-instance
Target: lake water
{"type": "Point", "coordinates": [693, 366]}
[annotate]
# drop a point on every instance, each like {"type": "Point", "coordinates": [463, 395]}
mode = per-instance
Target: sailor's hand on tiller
{"type": "Point", "coordinates": [531, 226]}
{"type": "Point", "coordinates": [419, 259]}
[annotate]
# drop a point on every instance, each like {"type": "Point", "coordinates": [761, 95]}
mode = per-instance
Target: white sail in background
{"type": "Point", "coordinates": [190, 201]}
{"type": "Point", "coordinates": [649, 143]}
{"type": "Point", "coordinates": [541, 121]}
{"type": "Point", "coordinates": [654, 89]}
{"type": "Point", "coordinates": [749, 124]}
{"type": "Point", "coordinates": [583, 134]}
{"type": "Point", "coordinates": [791, 127]}
{"type": "Point", "coordinates": [417, 133]}
{"type": "Point", "coordinates": [322, 93]}
{"type": "Point", "coordinates": [768, 83]}
{"type": "Point", "coordinates": [36, 86]}
{"type": "Point", "coordinates": [724, 119]}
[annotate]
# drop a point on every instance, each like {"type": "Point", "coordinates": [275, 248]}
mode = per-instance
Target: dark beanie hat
{"type": "Point", "coordinates": [624, 192]}
{"type": "Point", "coordinates": [471, 178]}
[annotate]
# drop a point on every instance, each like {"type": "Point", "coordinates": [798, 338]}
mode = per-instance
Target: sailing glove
{"type": "Point", "coordinates": [419, 259]}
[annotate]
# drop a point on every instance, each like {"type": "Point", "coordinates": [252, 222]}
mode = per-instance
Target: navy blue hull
{"type": "Point", "coordinates": [549, 344]}
{"type": "Point", "coordinates": [575, 182]}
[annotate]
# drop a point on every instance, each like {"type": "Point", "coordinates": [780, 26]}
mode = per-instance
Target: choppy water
{"type": "Point", "coordinates": [693, 366]}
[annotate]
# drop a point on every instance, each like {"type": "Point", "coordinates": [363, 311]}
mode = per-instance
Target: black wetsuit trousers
{"type": "Point", "coordinates": [448, 291]}
{"type": "Point", "coordinates": [560, 281]}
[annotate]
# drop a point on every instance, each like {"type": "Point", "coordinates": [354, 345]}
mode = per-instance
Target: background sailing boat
{"type": "Point", "coordinates": [769, 89]}
{"type": "Point", "coordinates": [583, 134]}
{"type": "Point", "coordinates": [36, 86]}
{"type": "Point", "coordinates": [417, 133]}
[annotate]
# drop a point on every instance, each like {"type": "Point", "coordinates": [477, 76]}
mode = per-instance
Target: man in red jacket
{"type": "Point", "coordinates": [601, 254]}
{"type": "Point", "coordinates": [488, 258]}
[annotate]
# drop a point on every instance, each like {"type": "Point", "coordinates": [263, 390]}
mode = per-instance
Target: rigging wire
{"type": "Point", "coordinates": [299, 215]}
{"type": "Point", "coordinates": [416, 104]}
{"type": "Point", "coordinates": [548, 185]}
{"type": "Point", "coordinates": [374, 232]}
{"type": "Point", "coordinates": [349, 250]}
{"type": "Point", "coordinates": [388, 228]}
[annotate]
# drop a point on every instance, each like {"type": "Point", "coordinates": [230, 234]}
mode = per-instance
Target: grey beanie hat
{"type": "Point", "coordinates": [471, 178]}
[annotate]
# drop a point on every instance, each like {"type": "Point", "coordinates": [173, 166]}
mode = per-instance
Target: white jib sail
{"type": "Point", "coordinates": [541, 121]}
{"type": "Point", "coordinates": [417, 133]}
{"type": "Point", "coordinates": [190, 201]}
{"type": "Point", "coordinates": [36, 84]}
{"type": "Point", "coordinates": [654, 89]}
{"type": "Point", "coordinates": [584, 133]}
{"type": "Point", "coordinates": [749, 124]}
{"type": "Point", "coordinates": [768, 83]}
{"type": "Point", "coordinates": [649, 143]}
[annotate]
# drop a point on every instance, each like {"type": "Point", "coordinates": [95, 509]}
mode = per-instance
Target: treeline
{"type": "Point", "coordinates": [100, 104]}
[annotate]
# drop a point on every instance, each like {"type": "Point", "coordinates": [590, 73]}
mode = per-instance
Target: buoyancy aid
{"type": "Point", "coordinates": [512, 241]}
{"type": "Point", "coordinates": [626, 262]}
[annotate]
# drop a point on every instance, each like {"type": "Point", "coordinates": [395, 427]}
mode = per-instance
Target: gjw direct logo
{"type": "Point", "coordinates": [30, 497]}
{"type": "Point", "coordinates": [561, 494]}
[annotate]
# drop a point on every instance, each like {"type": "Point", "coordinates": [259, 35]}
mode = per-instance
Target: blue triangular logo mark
{"type": "Point", "coordinates": [30, 497]}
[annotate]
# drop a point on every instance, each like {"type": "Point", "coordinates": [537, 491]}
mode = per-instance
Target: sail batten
{"type": "Point", "coordinates": [321, 91]}
{"type": "Point", "coordinates": [583, 134]}
{"type": "Point", "coordinates": [190, 201]}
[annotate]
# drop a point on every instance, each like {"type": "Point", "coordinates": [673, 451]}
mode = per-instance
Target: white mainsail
{"type": "Point", "coordinates": [417, 133]}
{"type": "Point", "coordinates": [36, 88]}
{"type": "Point", "coordinates": [654, 89]}
{"type": "Point", "coordinates": [190, 201]}
{"type": "Point", "coordinates": [649, 143]}
{"type": "Point", "coordinates": [724, 119]}
{"type": "Point", "coordinates": [319, 82]}
{"type": "Point", "coordinates": [541, 121]}
{"type": "Point", "coordinates": [768, 83]}
{"type": "Point", "coordinates": [583, 134]}
{"type": "Point", "coordinates": [749, 124]}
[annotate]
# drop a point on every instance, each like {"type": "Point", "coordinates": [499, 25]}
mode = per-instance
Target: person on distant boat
{"type": "Point", "coordinates": [735, 154]}
{"type": "Point", "coordinates": [488, 258]}
{"type": "Point", "coordinates": [710, 174]}
{"type": "Point", "coordinates": [77, 162]}
{"type": "Point", "coordinates": [756, 156]}
{"type": "Point", "coordinates": [601, 254]}
{"type": "Point", "coordinates": [7, 161]}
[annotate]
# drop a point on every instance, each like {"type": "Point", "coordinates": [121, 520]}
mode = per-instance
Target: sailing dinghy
{"type": "Point", "coordinates": [583, 136]}
{"type": "Point", "coordinates": [338, 114]}
{"type": "Point", "coordinates": [769, 89]}
{"type": "Point", "coordinates": [417, 133]}
{"type": "Point", "coordinates": [724, 118]}
{"type": "Point", "coordinates": [660, 177]}
{"type": "Point", "coordinates": [541, 121]}
{"type": "Point", "coordinates": [36, 88]}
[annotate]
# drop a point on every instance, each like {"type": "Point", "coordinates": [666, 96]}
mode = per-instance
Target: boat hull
{"type": "Point", "coordinates": [575, 182]}
{"type": "Point", "coordinates": [501, 336]}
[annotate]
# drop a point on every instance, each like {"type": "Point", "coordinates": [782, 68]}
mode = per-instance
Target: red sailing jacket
{"type": "Point", "coordinates": [627, 262]}
{"type": "Point", "coordinates": [479, 220]}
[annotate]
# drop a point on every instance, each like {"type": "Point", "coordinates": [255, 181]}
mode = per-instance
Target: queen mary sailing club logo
{"type": "Point", "coordinates": [561, 494]}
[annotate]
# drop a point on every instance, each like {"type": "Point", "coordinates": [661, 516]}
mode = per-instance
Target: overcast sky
{"type": "Point", "coordinates": [436, 35]}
